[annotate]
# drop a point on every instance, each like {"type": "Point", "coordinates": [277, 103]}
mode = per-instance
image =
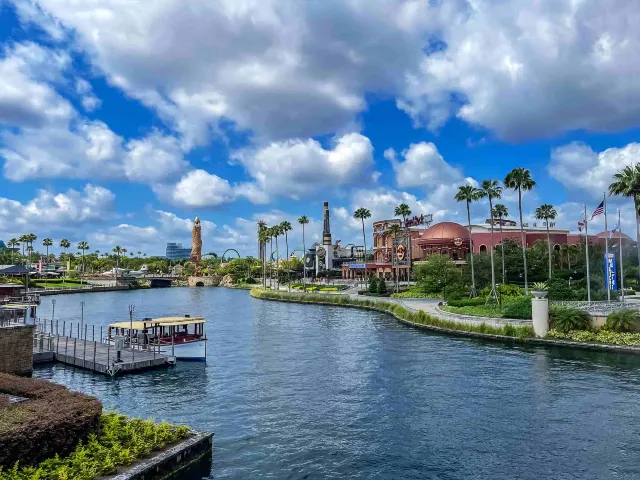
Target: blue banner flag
{"type": "Point", "coordinates": [610, 273]}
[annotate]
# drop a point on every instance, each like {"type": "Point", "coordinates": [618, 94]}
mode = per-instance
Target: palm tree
{"type": "Point", "coordinates": [362, 214]}
{"type": "Point", "coordinates": [118, 251]}
{"type": "Point", "coordinates": [271, 232]}
{"type": "Point", "coordinates": [546, 212]}
{"type": "Point", "coordinates": [519, 179]}
{"type": "Point", "coordinates": [303, 220]}
{"type": "Point", "coordinates": [24, 240]}
{"type": "Point", "coordinates": [66, 244]}
{"type": "Point", "coordinates": [83, 246]}
{"type": "Point", "coordinates": [277, 231]}
{"type": "Point", "coordinates": [627, 184]}
{"type": "Point", "coordinates": [47, 242]}
{"type": "Point", "coordinates": [403, 211]}
{"type": "Point", "coordinates": [394, 229]}
{"type": "Point", "coordinates": [139, 253]}
{"type": "Point", "coordinates": [13, 243]}
{"type": "Point", "coordinates": [500, 212]}
{"type": "Point", "coordinates": [491, 189]}
{"type": "Point", "coordinates": [263, 237]}
{"type": "Point", "coordinates": [468, 193]}
{"type": "Point", "coordinates": [286, 227]}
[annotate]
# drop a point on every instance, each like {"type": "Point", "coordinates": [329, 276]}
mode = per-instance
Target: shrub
{"type": "Point", "coordinates": [52, 421]}
{"type": "Point", "coordinates": [565, 319]}
{"type": "Point", "coordinates": [623, 321]}
{"type": "Point", "coordinates": [520, 309]}
{"type": "Point", "coordinates": [468, 302]}
{"type": "Point", "coordinates": [382, 286]}
{"type": "Point", "coordinates": [602, 336]}
{"type": "Point", "coordinates": [373, 285]}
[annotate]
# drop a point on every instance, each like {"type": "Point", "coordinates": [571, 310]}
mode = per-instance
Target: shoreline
{"type": "Point", "coordinates": [391, 310]}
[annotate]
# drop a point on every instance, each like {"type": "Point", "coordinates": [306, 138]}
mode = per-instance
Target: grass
{"type": "Point", "coordinates": [58, 285]}
{"type": "Point", "coordinates": [476, 310]}
{"type": "Point", "coordinates": [419, 318]}
{"type": "Point", "coordinates": [119, 442]}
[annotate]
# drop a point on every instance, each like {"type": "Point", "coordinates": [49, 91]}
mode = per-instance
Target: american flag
{"type": "Point", "coordinates": [598, 211]}
{"type": "Point", "coordinates": [580, 225]}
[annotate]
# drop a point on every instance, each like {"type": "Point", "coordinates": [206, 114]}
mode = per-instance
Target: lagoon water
{"type": "Point", "coordinates": [302, 391]}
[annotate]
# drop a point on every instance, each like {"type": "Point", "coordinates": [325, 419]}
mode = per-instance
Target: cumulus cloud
{"type": "Point", "coordinates": [89, 101]}
{"type": "Point", "coordinates": [422, 166]}
{"type": "Point", "coordinates": [199, 188]}
{"type": "Point", "coordinates": [296, 168]}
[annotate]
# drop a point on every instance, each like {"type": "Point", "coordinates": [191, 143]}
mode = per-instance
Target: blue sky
{"type": "Point", "coordinates": [121, 121]}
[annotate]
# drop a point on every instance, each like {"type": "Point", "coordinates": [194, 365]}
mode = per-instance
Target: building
{"type": "Point", "coordinates": [175, 251]}
{"type": "Point", "coordinates": [452, 239]}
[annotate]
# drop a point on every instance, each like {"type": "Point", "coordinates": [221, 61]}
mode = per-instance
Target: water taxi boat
{"type": "Point", "coordinates": [180, 337]}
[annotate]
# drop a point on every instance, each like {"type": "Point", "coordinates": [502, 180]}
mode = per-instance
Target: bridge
{"type": "Point", "coordinates": [160, 282]}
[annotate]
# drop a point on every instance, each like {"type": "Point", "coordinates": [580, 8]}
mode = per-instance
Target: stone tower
{"type": "Point", "coordinates": [324, 252]}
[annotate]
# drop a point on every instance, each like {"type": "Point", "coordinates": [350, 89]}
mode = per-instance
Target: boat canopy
{"type": "Point", "coordinates": [159, 322]}
{"type": "Point", "coordinates": [16, 306]}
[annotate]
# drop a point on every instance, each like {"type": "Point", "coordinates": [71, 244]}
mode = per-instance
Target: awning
{"type": "Point", "coordinates": [15, 270]}
{"type": "Point", "coordinates": [159, 322]}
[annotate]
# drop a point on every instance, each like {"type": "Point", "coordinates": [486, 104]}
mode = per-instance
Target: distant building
{"type": "Point", "coordinates": [175, 251]}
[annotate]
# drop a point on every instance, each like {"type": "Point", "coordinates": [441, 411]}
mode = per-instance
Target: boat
{"type": "Point", "coordinates": [182, 338]}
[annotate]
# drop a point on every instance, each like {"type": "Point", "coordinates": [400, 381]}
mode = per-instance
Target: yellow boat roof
{"type": "Point", "coordinates": [164, 322]}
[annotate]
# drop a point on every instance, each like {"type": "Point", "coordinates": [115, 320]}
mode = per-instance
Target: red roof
{"type": "Point", "coordinates": [445, 230]}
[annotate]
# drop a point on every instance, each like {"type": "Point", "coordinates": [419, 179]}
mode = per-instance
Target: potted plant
{"type": "Point", "coordinates": [540, 289]}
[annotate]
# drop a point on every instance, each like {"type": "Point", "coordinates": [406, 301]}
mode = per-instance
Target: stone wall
{"type": "Point", "coordinates": [16, 349]}
{"type": "Point", "coordinates": [209, 281]}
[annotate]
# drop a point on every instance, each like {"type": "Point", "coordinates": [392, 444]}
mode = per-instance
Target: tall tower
{"type": "Point", "coordinates": [326, 232]}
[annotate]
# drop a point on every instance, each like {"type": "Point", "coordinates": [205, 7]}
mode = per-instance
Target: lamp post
{"type": "Point", "coordinates": [132, 308]}
{"type": "Point", "coordinates": [81, 315]}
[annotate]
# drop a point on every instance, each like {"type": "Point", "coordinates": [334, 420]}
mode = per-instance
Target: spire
{"type": "Point", "coordinates": [326, 232]}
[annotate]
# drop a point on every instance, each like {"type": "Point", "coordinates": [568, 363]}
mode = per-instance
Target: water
{"type": "Point", "coordinates": [300, 391]}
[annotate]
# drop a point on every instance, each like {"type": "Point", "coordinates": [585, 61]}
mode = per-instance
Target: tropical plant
{"type": "Point", "coordinates": [24, 241]}
{"type": "Point", "coordinates": [263, 238]}
{"type": "Point", "coordinates": [285, 227]}
{"type": "Point", "coordinates": [627, 183]}
{"type": "Point", "coordinates": [303, 220]}
{"type": "Point", "coordinates": [565, 319]}
{"type": "Point", "coordinates": [519, 179]}
{"type": "Point", "coordinates": [491, 189]}
{"type": "Point", "coordinates": [362, 214]}
{"type": "Point", "coordinates": [500, 212]}
{"type": "Point", "coordinates": [540, 286]}
{"type": "Point", "coordinates": [394, 229]}
{"type": "Point", "coordinates": [546, 212]}
{"type": "Point", "coordinates": [403, 211]}
{"type": "Point", "coordinates": [12, 244]}
{"type": "Point", "coordinates": [468, 194]}
{"type": "Point", "coordinates": [623, 321]}
{"type": "Point", "coordinates": [83, 246]}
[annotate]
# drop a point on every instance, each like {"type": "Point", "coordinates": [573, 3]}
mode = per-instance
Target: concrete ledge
{"type": "Point", "coordinates": [171, 461]}
{"type": "Point", "coordinates": [43, 357]}
{"type": "Point", "coordinates": [602, 347]}
{"type": "Point", "coordinates": [66, 291]}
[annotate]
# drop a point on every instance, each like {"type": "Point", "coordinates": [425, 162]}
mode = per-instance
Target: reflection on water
{"type": "Point", "coordinates": [300, 391]}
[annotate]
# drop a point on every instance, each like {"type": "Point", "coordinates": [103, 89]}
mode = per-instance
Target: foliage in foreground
{"type": "Point", "coordinates": [416, 293]}
{"type": "Point", "coordinates": [623, 321]}
{"type": "Point", "coordinates": [565, 319]}
{"type": "Point", "coordinates": [597, 336]}
{"type": "Point", "coordinates": [119, 442]}
{"type": "Point", "coordinates": [518, 307]}
{"type": "Point", "coordinates": [399, 311]}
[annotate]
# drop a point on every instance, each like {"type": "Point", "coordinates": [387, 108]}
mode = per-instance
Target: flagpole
{"type": "Point", "coordinates": [621, 259]}
{"type": "Point", "coordinates": [586, 247]}
{"type": "Point", "coordinates": [606, 248]}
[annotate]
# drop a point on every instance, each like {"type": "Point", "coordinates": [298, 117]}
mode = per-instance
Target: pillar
{"type": "Point", "coordinates": [540, 316]}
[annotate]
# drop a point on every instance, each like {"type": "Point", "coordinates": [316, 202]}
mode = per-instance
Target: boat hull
{"type": "Point", "coordinates": [192, 351]}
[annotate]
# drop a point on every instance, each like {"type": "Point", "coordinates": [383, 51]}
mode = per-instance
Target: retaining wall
{"type": "Point", "coordinates": [16, 349]}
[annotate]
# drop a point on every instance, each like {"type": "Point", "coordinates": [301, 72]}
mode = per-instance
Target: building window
{"type": "Point", "coordinates": [483, 249]}
{"type": "Point", "coordinates": [556, 247]}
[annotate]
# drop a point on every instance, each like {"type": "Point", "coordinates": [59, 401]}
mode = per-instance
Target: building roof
{"type": "Point", "coordinates": [13, 270]}
{"type": "Point", "coordinates": [445, 230]}
{"type": "Point", "coordinates": [607, 234]}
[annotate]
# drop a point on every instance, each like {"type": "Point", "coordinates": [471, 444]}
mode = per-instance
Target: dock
{"type": "Point", "coordinates": [92, 354]}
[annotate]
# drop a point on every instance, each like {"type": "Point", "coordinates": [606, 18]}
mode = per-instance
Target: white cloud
{"type": "Point", "coordinates": [422, 166]}
{"type": "Point", "coordinates": [297, 168]}
{"type": "Point", "coordinates": [199, 188]}
{"type": "Point", "coordinates": [578, 167]}
{"type": "Point", "coordinates": [89, 101]}
{"type": "Point", "coordinates": [155, 158]}
{"type": "Point", "coordinates": [49, 211]}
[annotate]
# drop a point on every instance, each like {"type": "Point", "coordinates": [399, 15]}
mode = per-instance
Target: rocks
{"type": "Point", "coordinates": [227, 281]}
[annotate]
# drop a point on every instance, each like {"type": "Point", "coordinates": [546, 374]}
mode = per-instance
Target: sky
{"type": "Point", "coordinates": [120, 121]}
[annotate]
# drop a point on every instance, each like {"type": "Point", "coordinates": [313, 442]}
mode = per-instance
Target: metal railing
{"type": "Point", "coordinates": [599, 308]}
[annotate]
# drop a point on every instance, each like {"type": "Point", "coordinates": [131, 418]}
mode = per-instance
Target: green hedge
{"type": "Point", "coordinates": [599, 336]}
{"type": "Point", "coordinates": [119, 442]}
{"type": "Point", "coordinates": [398, 310]}
{"type": "Point", "coordinates": [52, 421]}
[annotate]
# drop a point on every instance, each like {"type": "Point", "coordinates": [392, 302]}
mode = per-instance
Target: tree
{"type": "Point", "coordinates": [394, 229]}
{"type": "Point", "coordinates": [303, 220]}
{"type": "Point", "coordinates": [403, 211]}
{"type": "Point", "coordinates": [83, 246]}
{"type": "Point", "coordinates": [546, 212]}
{"type": "Point", "coordinates": [13, 243]}
{"type": "Point", "coordinates": [362, 214]}
{"type": "Point", "coordinates": [491, 189]}
{"type": "Point", "coordinates": [627, 183]}
{"type": "Point", "coordinates": [438, 270]}
{"type": "Point", "coordinates": [500, 212]}
{"type": "Point", "coordinates": [118, 251]}
{"type": "Point", "coordinates": [467, 193]}
{"type": "Point", "coordinates": [285, 227]}
{"type": "Point", "coordinates": [271, 232]}
{"type": "Point", "coordinates": [24, 241]}
{"type": "Point", "coordinates": [263, 238]}
{"type": "Point", "coordinates": [277, 231]}
{"type": "Point", "coordinates": [519, 179]}
{"type": "Point", "coordinates": [47, 242]}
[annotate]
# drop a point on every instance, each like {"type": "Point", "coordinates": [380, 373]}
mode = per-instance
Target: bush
{"type": "Point", "coordinates": [382, 286]}
{"type": "Point", "coordinates": [411, 293]}
{"type": "Point", "coordinates": [565, 319]}
{"type": "Point", "coordinates": [373, 285]}
{"type": "Point", "coordinates": [119, 441]}
{"type": "Point", "coordinates": [623, 321]}
{"type": "Point", "coordinates": [602, 336]}
{"type": "Point", "coordinates": [52, 421]}
{"type": "Point", "coordinates": [468, 302]}
{"type": "Point", "coordinates": [520, 309]}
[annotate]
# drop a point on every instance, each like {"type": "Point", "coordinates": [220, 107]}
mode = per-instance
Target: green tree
{"type": "Point", "coordinates": [24, 241]}
{"type": "Point", "coordinates": [519, 179]}
{"type": "Point", "coordinates": [500, 212]}
{"type": "Point", "coordinates": [285, 227]}
{"type": "Point", "coordinates": [627, 183]}
{"type": "Point", "coordinates": [491, 189]}
{"type": "Point", "coordinates": [439, 270]}
{"type": "Point", "coordinates": [403, 211]}
{"type": "Point", "coordinates": [468, 194]}
{"type": "Point", "coordinates": [83, 247]}
{"type": "Point", "coordinates": [12, 244]}
{"type": "Point", "coordinates": [546, 212]}
{"type": "Point", "coordinates": [263, 238]}
{"type": "Point", "coordinates": [303, 220]}
{"type": "Point", "coordinates": [394, 229]}
{"type": "Point", "coordinates": [362, 214]}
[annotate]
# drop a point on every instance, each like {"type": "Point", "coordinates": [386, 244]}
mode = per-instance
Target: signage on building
{"type": "Point", "coordinates": [401, 251]}
{"type": "Point", "coordinates": [419, 220]}
{"type": "Point", "coordinates": [457, 242]}
{"type": "Point", "coordinates": [610, 273]}
{"type": "Point", "coordinates": [356, 265]}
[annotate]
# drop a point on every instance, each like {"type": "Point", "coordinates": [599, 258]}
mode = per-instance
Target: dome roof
{"type": "Point", "coordinates": [445, 230]}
